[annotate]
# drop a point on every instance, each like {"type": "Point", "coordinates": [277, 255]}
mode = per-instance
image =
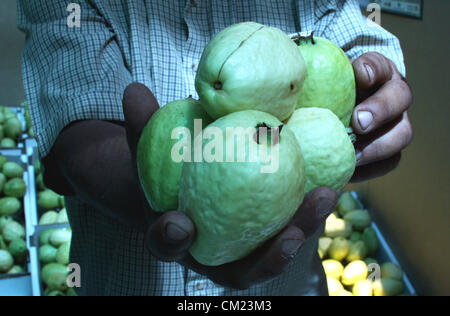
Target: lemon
{"type": "Point", "coordinates": [354, 272]}
{"type": "Point", "coordinates": [333, 268]}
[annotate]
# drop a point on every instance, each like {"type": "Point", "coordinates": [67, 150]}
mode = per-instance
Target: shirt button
{"type": "Point", "coordinates": [200, 286]}
{"type": "Point", "coordinates": [194, 67]}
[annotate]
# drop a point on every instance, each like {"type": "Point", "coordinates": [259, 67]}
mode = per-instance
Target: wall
{"type": "Point", "coordinates": [11, 45]}
{"type": "Point", "coordinates": [413, 203]}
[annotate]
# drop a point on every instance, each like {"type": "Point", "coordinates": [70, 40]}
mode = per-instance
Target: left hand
{"type": "Point", "coordinates": [380, 119]}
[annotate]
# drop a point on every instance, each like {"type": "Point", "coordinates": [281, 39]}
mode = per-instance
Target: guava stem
{"type": "Point", "coordinates": [264, 127]}
{"type": "Point", "coordinates": [352, 135]}
{"type": "Point", "coordinates": [298, 38]}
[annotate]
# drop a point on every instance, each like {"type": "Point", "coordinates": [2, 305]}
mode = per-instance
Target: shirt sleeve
{"type": "Point", "coordinates": [69, 73]}
{"type": "Point", "coordinates": [357, 35]}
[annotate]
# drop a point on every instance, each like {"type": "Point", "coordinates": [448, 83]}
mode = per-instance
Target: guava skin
{"type": "Point", "coordinates": [159, 174]}
{"type": "Point", "coordinates": [326, 146]}
{"type": "Point", "coordinates": [235, 207]}
{"type": "Point", "coordinates": [249, 66]}
{"type": "Point", "coordinates": [330, 81]}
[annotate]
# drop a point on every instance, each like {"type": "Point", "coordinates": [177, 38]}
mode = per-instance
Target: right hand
{"type": "Point", "coordinates": [171, 234]}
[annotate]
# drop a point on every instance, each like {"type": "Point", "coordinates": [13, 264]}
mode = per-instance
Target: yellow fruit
{"type": "Point", "coordinates": [390, 270]}
{"type": "Point", "coordinates": [344, 293]}
{"type": "Point", "coordinates": [334, 286]}
{"type": "Point", "coordinates": [387, 287]}
{"type": "Point", "coordinates": [337, 227]}
{"type": "Point", "coordinates": [333, 268]}
{"type": "Point", "coordinates": [339, 249]}
{"type": "Point", "coordinates": [354, 272]}
{"type": "Point", "coordinates": [363, 288]}
{"type": "Point", "coordinates": [324, 245]}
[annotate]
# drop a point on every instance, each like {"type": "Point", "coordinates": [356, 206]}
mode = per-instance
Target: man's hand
{"type": "Point", "coordinates": [380, 120]}
{"type": "Point", "coordinates": [171, 234]}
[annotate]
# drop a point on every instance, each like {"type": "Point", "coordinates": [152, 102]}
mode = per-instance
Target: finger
{"type": "Point", "coordinates": [376, 169]}
{"type": "Point", "coordinates": [170, 236]}
{"type": "Point", "coordinates": [316, 207]}
{"type": "Point", "coordinates": [387, 104]}
{"type": "Point", "coordinates": [139, 104]}
{"type": "Point", "coordinates": [384, 142]}
{"type": "Point", "coordinates": [372, 70]}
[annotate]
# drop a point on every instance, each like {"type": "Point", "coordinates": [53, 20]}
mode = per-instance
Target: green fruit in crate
{"type": "Point", "coordinates": [18, 249]}
{"type": "Point", "coordinates": [53, 269]}
{"type": "Point", "coordinates": [330, 82]}
{"type": "Point", "coordinates": [337, 228]}
{"type": "Point", "coordinates": [9, 206]}
{"type": "Point", "coordinates": [370, 261]}
{"type": "Point", "coordinates": [359, 219]}
{"type": "Point", "coordinates": [3, 181]}
{"type": "Point", "coordinates": [13, 128]}
{"type": "Point", "coordinates": [370, 238]}
{"type": "Point", "coordinates": [159, 173]}
{"type": "Point", "coordinates": [354, 272]}
{"type": "Point", "coordinates": [50, 293]}
{"type": "Point", "coordinates": [3, 221]}
{"type": "Point", "coordinates": [48, 218]}
{"type": "Point", "coordinates": [390, 270]}
{"type": "Point", "coordinates": [6, 261]}
{"type": "Point", "coordinates": [339, 249]}
{"type": "Point", "coordinates": [47, 254]}
{"type": "Point", "coordinates": [355, 236]}
{"type": "Point", "coordinates": [333, 268]}
{"type": "Point", "coordinates": [249, 66]}
{"type": "Point", "coordinates": [228, 221]}
{"type": "Point", "coordinates": [358, 251]}
{"type": "Point", "coordinates": [62, 217]}
{"type": "Point", "coordinates": [40, 182]}
{"type": "Point", "coordinates": [324, 245]}
{"type": "Point", "coordinates": [8, 143]}
{"type": "Point", "coordinates": [15, 270]}
{"type": "Point", "coordinates": [15, 188]}
{"type": "Point", "coordinates": [12, 231]}
{"type": "Point", "coordinates": [13, 170]}
{"type": "Point", "coordinates": [49, 200]}
{"type": "Point", "coordinates": [57, 282]}
{"type": "Point", "coordinates": [63, 254]}
{"type": "Point", "coordinates": [2, 132]}
{"type": "Point", "coordinates": [387, 287]}
{"type": "Point", "coordinates": [44, 237]}
{"type": "Point", "coordinates": [346, 204]}
{"type": "Point", "coordinates": [363, 288]}
{"type": "Point", "coordinates": [60, 236]}
{"type": "Point", "coordinates": [71, 292]}
{"type": "Point", "coordinates": [326, 147]}
{"type": "Point", "coordinates": [3, 244]}
{"type": "Point", "coordinates": [3, 160]}
{"type": "Point", "coordinates": [9, 113]}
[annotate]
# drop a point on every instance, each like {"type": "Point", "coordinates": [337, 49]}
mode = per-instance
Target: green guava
{"type": "Point", "coordinates": [326, 146]}
{"type": "Point", "coordinates": [330, 82]}
{"type": "Point", "coordinates": [245, 189]}
{"type": "Point", "coordinates": [48, 218]}
{"type": "Point", "coordinates": [49, 200]}
{"type": "Point", "coordinates": [13, 230]}
{"type": "Point", "coordinates": [18, 249]}
{"type": "Point", "coordinates": [249, 66]}
{"type": "Point", "coordinates": [15, 187]}
{"type": "Point", "coordinates": [159, 170]}
{"type": "Point", "coordinates": [53, 269]}
{"type": "Point", "coordinates": [13, 170]}
{"type": "Point", "coordinates": [6, 261]}
{"type": "Point", "coordinates": [47, 254]}
{"type": "Point", "coordinates": [63, 254]}
{"type": "Point", "coordinates": [60, 236]}
{"type": "Point", "coordinates": [9, 206]}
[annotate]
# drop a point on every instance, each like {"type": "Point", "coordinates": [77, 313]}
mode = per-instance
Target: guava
{"type": "Point", "coordinates": [3, 160]}
{"type": "Point", "coordinates": [9, 206]}
{"type": "Point", "coordinates": [249, 66]}
{"type": "Point", "coordinates": [63, 253]}
{"type": "Point", "coordinates": [18, 249]}
{"type": "Point", "coordinates": [358, 251]}
{"type": "Point", "coordinates": [13, 128]}
{"type": "Point", "coordinates": [13, 170]}
{"type": "Point", "coordinates": [3, 221]}
{"type": "Point", "coordinates": [13, 230]}
{"type": "Point", "coordinates": [8, 143]}
{"type": "Point", "coordinates": [47, 254]}
{"type": "Point", "coordinates": [359, 219]}
{"type": "Point", "coordinates": [370, 238]}
{"type": "Point", "coordinates": [346, 204]}
{"type": "Point", "coordinates": [6, 261]}
{"type": "Point", "coordinates": [15, 187]}
{"type": "Point", "coordinates": [159, 171]}
{"type": "Point", "coordinates": [62, 217]}
{"type": "Point", "coordinates": [238, 196]}
{"type": "Point", "coordinates": [326, 146]}
{"type": "Point", "coordinates": [60, 236]}
{"type": "Point", "coordinates": [330, 82]}
{"type": "Point", "coordinates": [53, 269]}
{"type": "Point", "coordinates": [44, 237]}
{"type": "Point", "coordinates": [48, 218]}
{"type": "Point", "coordinates": [15, 270]}
{"type": "Point", "coordinates": [49, 200]}
{"type": "Point", "coordinates": [2, 181]}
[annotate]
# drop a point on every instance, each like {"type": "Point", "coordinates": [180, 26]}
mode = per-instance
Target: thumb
{"type": "Point", "coordinates": [170, 236]}
{"type": "Point", "coordinates": [139, 104]}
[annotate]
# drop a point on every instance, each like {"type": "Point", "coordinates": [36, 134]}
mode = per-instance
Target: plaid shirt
{"type": "Point", "coordinates": [81, 72]}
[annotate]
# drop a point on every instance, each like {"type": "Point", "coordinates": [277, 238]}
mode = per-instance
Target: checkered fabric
{"type": "Point", "coordinates": [80, 73]}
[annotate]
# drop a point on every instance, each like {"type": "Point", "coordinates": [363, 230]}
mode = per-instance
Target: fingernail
{"type": "Point", "coordinates": [370, 72]}
{"type": "Point", "coordinates": [175, 232]}
{"type": "Point", "coordinates": [358, 156]}
{"type": "Point", "coordinates": [291, 247]}
{"type": "Point", "coordinates": [365, 118]}
{"type": "Point", "coordinates": [324, 208]}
